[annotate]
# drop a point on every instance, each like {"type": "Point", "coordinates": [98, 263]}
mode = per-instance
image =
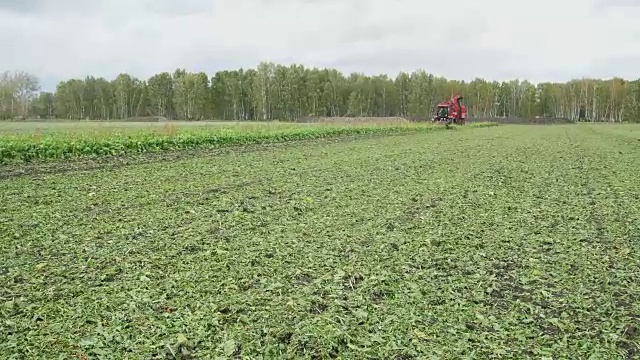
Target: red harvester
{"type": "Point", "coordinates": [451, 111]}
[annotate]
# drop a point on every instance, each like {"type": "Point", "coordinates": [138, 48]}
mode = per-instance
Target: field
{"type": "Point", "coordinates": [515, 241]}
{"type": "Point", "coordinates": [29, 143]}
{"type": "Point", "coordinates": [47, 126]}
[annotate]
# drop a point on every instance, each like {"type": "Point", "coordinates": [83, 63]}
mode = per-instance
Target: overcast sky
{"type": "Point", "coordinates": [540, 40]}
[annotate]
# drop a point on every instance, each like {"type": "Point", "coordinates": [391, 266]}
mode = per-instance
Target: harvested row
{"type": "Point", "coordinates": [29, 147]}
{"type": "Point", "coordinates": [507, 242]}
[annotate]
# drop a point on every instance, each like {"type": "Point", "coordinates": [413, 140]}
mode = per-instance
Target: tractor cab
{"type": "Point", "coordinates": [443, 111]}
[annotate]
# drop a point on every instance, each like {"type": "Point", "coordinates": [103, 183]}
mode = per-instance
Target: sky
{"type": "Point", "coordinates": [537, 40]}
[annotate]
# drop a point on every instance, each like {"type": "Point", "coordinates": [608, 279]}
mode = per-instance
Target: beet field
{"type": "Point", "coordinates": [505, 242]}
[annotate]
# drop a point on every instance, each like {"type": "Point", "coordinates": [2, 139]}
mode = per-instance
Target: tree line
{"type": "Point", "coordinates": [278, 92]}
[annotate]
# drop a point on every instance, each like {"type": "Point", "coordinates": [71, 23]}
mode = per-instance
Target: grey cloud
{"type": "Point", "coordinates": [412, 30]}
{"type": "Point", "coordinates": [603, 4]}
{"type": "Point", "coordinates": [48, 6]}
{"type": "Point", "coordinates": [624, 67]}
{"type": "Point", "coordinates": [183, 7]}
{"type": "Point", "coordinates": [45, 7]}
{"type": "Point", "coordinates": [20, 5]}
{"type": "Point", "coordinates": [452, 63]}
{"type": "Point", "coordinates": [58, 39]}
{"type": "Point", "coordinates": [372, 32]}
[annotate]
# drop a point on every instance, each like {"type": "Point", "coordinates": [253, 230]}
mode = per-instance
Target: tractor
{"type": "Point", "coordinates": [451, 111]}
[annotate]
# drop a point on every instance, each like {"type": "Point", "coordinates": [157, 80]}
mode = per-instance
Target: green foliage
{"type": "Point", "coordinates": [17, 90]}
{"type": "Point", "coordinates": [508, 242]}
{"type": "Point", "coordinates": [631, 104]}
{"type": "Point", "coordinates": [62, 145]}
{"type": "Point", "coordinates": [278, 92]}
{"type": "Point", "coordinates": [43, 106]}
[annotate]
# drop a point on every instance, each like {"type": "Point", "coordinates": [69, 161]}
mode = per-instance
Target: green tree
{"type": "Point", "coordinates": [278, 92]}
{"type": "Point", "coordinates": [160, 92]}
{"type": "Point", "coordinates": [43, 106]}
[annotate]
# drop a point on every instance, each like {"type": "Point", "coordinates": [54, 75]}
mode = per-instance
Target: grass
{"type": "Point", "coordinates": [504, 242]}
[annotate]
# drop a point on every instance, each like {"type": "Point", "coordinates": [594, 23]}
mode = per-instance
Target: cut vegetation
{"type": "Point", "coordinates": [503, 242]}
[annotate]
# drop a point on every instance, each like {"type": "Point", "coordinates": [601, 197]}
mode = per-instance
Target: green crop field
{"type": "Point", "coordinates": [91, 140]}
{"type": "Point", "coordinates": [478, 242]}
{"type": "Point", "coordinates": [45, 126]}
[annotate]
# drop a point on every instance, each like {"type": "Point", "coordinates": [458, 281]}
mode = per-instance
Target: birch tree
{"type": "Point", "coordinates": [278, 92]}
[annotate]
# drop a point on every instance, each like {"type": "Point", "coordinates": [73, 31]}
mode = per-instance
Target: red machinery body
{"type": "Point", "coordinates": [451, 111]}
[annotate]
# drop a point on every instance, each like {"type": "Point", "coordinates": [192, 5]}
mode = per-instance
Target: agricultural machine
{"type": "Point", "coordinates": [451, 111]}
